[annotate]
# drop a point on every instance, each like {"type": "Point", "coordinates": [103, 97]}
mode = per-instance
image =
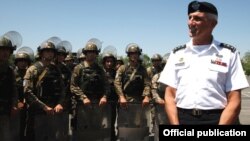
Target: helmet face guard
{"type": "Point", "coordinates": [133, 48]}
{"type": "Point", "coordinates": [90, 47]}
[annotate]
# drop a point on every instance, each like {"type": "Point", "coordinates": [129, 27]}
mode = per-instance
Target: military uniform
{"type": "Point", "coordinates": [89, 82]}
{"type": "Point", "coordinates": [8, 87]}
{"type": "Point", "coordinates": [138, 88]}
{"type": "Point", "coordinates": [44, 91]}
{"type": "Point", "coordinates": [8, 99]}
{"type": "Point", "coordinates": [217, 71]}
{"type": "Point", "coordinates": [132, 85]}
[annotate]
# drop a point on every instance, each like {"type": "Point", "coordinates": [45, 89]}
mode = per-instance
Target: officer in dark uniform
{"type": "Point", "coordinates": [45, 94]}
{"type": "Point", "coordinates": [8, 88]}
{"type": "Point", "coordinates": [90, 85]}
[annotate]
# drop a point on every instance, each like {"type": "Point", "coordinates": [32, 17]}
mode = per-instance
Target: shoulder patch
{"type": "Point", "coordinates": [179, 48]}
{"type": "Point", "coordinates": [233, 49]}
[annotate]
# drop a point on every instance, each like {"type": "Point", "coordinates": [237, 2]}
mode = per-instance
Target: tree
{"type": "Point", "coordinates": [246, 63]}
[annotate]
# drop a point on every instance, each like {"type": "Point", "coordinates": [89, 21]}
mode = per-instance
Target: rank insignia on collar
{"type": "Point", "coordinates": [219, 62]}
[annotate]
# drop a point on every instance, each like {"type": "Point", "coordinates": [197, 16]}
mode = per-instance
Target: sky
{"type": "Point", "coordinates": [157, 26]}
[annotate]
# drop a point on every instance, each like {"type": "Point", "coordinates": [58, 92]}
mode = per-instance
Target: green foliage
{"type": "Point", "coordinates": [246, 63]}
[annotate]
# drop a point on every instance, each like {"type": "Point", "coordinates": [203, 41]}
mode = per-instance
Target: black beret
{"type": "Point", "coordinates": [202, 7]}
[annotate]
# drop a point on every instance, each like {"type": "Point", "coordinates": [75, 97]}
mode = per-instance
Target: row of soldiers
{"type": "Point", "coordinates": [48, 91]}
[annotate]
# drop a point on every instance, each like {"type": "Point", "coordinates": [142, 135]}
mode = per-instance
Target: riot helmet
{"type": "Point", "coordinates": [64, 47]}
{"type": "Point", "coordinates": [90, 47]}
{"type": "Point", "coordinates": [156, 57]}
{"type": "Point", "coordinates": [46, 45]}
{"type": "Point", "coordinates": [133, 48]}
{"type": "Point", "coordinates": [24, 53]}
{"type": "Point", "coordinates": [11, 40]}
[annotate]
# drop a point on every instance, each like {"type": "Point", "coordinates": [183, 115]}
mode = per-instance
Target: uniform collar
{"type": "Point", "coordinates": [214, 45]}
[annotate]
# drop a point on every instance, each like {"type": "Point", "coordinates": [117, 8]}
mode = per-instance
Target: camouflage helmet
{"type": "Point", "coordinates": [133, 47]}
{"type": "Point", "coordinates": [6, 43]}
{"type": "Point", "coordinates": [156, 57]}
{"type": "Point", "coordinates": [90, 47]}
{"type": "Point", "coordinates": [46, 45]}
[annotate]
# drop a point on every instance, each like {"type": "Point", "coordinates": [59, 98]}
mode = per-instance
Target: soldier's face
{"type": "Point", "coordinates": [4, 54]}
{"type": "Point", "coordinates": [134, 56]}
{"type": "Point", "coordinates": [48, 54]}
{"type": "Point", "coordinates": [22, 64]}
{"type": "Point", "coordinates": [109, 63]}
{"type": "Point", "coordinates": [91, 56]}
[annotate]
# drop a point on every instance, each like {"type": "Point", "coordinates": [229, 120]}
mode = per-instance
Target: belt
{"type": "Point", "coordinates": [199, 112]}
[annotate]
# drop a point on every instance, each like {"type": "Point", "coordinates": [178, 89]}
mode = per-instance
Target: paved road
{"type": "Point", "coordinates": [245, 106]}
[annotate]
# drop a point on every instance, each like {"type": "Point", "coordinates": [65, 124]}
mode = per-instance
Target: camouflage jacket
{"type": "Point", "coordinates": [49, 92]}
{"type": "Point", "coordinates": [138, 87]}
{"type": "Point", "coordinates": [83, 85]}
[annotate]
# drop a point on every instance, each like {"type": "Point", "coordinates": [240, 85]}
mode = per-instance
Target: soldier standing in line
{"type": "Point", "coordinates": [8, 89]}
{"type": "Point", "coordinates": [108, 62]}
{"type": "Point", "coordinates": [156, 67]}
{"type": "Point", "coordinates": [23, 59]}
{"type": "Point", "coordinates": [132, 85]}
{"type": "Point", "coordinates": [119, 62]}
{"type": "Point", "coordinates": [44, 92]}
{"type": "Point", "coordinates": [90, 85]}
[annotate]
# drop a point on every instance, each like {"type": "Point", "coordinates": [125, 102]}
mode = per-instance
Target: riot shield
{"type": "Point", "coordinates": [93, 122]}
{"type": "Point", "coordinates": [51, 127]}
{"type": "Point", "coordinates": [160, 118]}
{"type": "Point", "coordinates": [133, 122]}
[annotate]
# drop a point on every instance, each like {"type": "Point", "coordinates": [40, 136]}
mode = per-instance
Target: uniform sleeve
{"type": "Point", "coordinates": [154, 86]}
{"type": "Point", "coordinates": [168, 75]}
{"type": "Point", "coordinates": [118, 80]}
{"type": "Point", "coordinates": [29, 88]}
{"type": "Point", "coordinates": [236, 78]}
{"type": "Point", "coordinates": [75, 84]}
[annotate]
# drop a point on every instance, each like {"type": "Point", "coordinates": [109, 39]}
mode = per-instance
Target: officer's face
{"type": "Point", "coordinates": [200, 26]}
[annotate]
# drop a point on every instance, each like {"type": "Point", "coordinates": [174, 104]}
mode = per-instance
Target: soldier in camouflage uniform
{"type": "Point", "coordinates": [108, 62]}
{"type": "Point", "coordinates": [119, 62]}
{"type": "Point", "coordinates": [8, 89]}
{"type": "Point", "coordinates": [156, 67]}
{"type": "Point", "coordinates": [138, 88]}
{"type": "Point", "coordinates": [90, 85]}
{"type": "Point", "coordinates": [69, 61]}
{"type": "Point", "coordinates": [22, 62]}
{"type": "Point", "coordinates": [132, 85]}
{"type": "Point", "coordinates": [45, 93]}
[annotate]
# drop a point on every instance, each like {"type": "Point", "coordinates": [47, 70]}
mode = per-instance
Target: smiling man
{"type": "Point", "coordinates": [204, 76]}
